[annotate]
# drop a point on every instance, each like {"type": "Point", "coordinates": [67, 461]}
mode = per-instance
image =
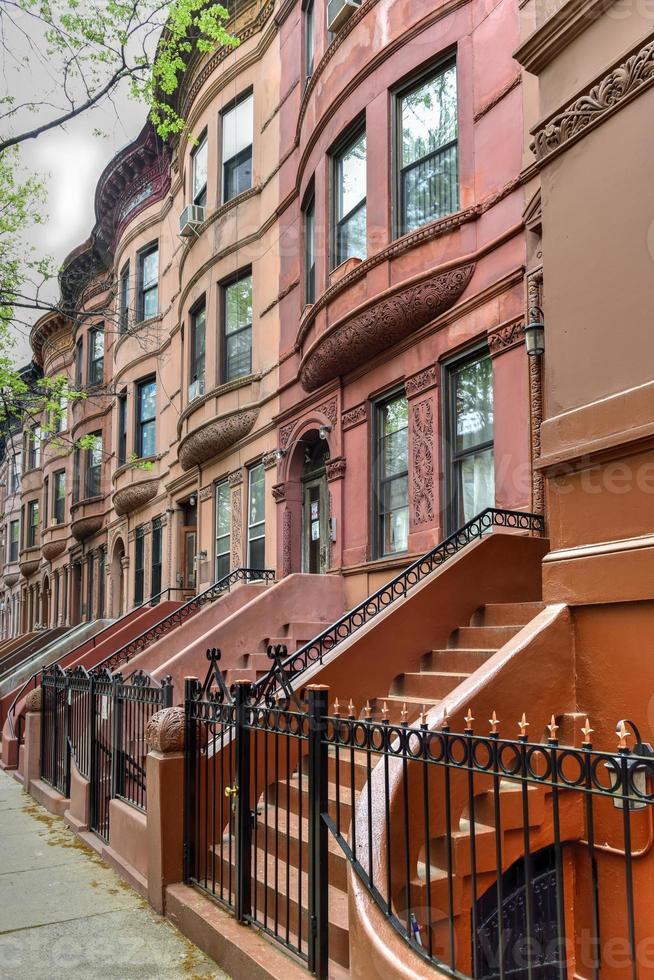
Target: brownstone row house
{"type": "Point", "coordinates": [399, 275]}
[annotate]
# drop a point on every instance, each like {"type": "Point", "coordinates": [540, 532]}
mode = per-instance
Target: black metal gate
{"type": "Point", "coordinates": [55, 759]}
{"type": "Point", "coordinates": [101, 750]}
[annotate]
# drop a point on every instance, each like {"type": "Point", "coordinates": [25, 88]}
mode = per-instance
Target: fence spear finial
{"type": "Point", "coordinates": [385, 712]}
{"type": "Point", "coordinates": [337, 707]}
{"type": "Point", "coordinates": [523, 725]}
{"type": "Point", "coordinates": [553, 729]}
{"type": "Point", "coordinates": [446, 717]}
{"type": "Point", "coordinates": [350, 708]}
{"type": "Point", "coordinates": [586, 731]}
{"type": "Point", "coordinates": [367, 709]}
{"type": "Point", "coordinates": [423, 715]}
{"type": "Point", "coordinates": [494, 723]}
{"type": "Point", "coordinates": [404, 713]}
{"type": "Point", "coordinates": [469, 720]}
{"type": "Point", "coordinates": [623, 735]}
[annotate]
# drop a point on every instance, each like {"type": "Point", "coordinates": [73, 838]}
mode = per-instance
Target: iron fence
{"type": "Point", "coordinates": [55, 760]}
{"type": "Point", "coordinates": [489, 856]}
{"type": "Point", "coordinates": [136, 701]}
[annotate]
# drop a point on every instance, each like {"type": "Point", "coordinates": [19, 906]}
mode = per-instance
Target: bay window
{"type": "Point", "coordinates": [349, 179]}
{"type": "Point", "coordinates": [427, 149]}
{"type": "Point", "coordinates": [392, 476]}
{"type": "Point", "coordinates": [122, 428]}
{"type": "Point", "coordinates": [237, 327]}
{"type": "Point", "coordinates": [237, 135]}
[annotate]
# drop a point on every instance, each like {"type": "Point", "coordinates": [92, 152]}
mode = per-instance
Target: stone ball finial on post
{"type": "Point", "coordinates": [165, 730]}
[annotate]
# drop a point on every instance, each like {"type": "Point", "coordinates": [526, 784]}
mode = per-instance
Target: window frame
{"type": "Point", "coordinates": [31, 537]}
{"type": "Point", "coordinates": [398, 94]}
{"type": "Point", "coordinates": [196, 310]}
{"type": "Point", "coordinates": [13, 557]}
{"type": "Point", "coordinates": [224, 286]}
{"type": "Point", "coordinates": [56, 482]}
{"type": "Point", "coordinates": [349, 139]}
{"type": "Point", "coordinates": [139, 565]}
{"type": "Point", "coordinates": [222, 485]}
{"type": "Point", "coordinates": [122, 429]}
{"type": "Point", "coordinates": [257, 524]}
{"type": "Point", "coordinates": [231, 107]}
{"type": "Point", "coordinates": [93, 360]}
{"type": "Point", "coordinates": [141, 422]}
{"type": "Point", "coordinates": [144, 291]}
{"type": "Point", "coordinates": [79, 363]}
{"type": "Point", "coordinates": [451, 457]}
{"type": "Point", "coordinates": [309, 215]}
{"type": "Point", "coordinates": [123, 299]}
{"type": "Point", "coordinates": [93, 471]}
{"type": "Point", "coordinates": [202, 144]}
{"type": "Point", "coordinates": [379, 481]}
{"type": "Point", "coordinates": [46, 495]}
{"type": "Point", "coordinates": [309, 33]}
{"type": "Point", "coordinates": [156, 558]}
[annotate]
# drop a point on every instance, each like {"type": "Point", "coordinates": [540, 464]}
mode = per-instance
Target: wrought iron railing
{"type": "Point", "coordinates": [284, 670]}
{"type": "Point", "coordinates": [93, 641]}
{"type": "Point", "coordinates": [55, 759]}
{"type": "Point", "coordinates": [136, 701]}
{"type": "Point", "coordinates": [183, 613]}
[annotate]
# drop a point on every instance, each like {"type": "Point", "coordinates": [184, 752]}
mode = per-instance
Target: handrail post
{"type": "Point", "coordinates": [318, 947]}
{"type": "Point", "coordinates": [243, 814]}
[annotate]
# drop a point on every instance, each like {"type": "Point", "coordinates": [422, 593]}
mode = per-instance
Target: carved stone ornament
{"type": "Point", "coordinates": [237, 525]}
{"type": "Point", "coordinates": [354, 416]}
{"type": "Point", "coordinates": [29, 567]}
{"type": "Point", "coordinates": [622, 83]}
{"type": "Point", "coordinates": [383, 323]}
{"type": "Point", "coordinates": [135, 495]}
{"type": "Point", "coordinates": [11, 579]}
{"type": "Point", "coordinates": [165, 730]}
{"type": "Point", "coordinates": [34, 699]}
{"type": "Point", "coordinates": [286, 544]}
{"type": "Point", "coordinates": [420, 382]}
{"type": "Point", "coordinates": [506, 337]}
{"type": "Point", "coordinates": [422, 469]}
{"type": "Point", "coordinates": [215, 436]}
{"type": "Point", "coordinates": [335, 468]}
{"type": "Point", "coordinates": [279, 492]}
{"type": "Point", "coordinates": [52, 549]}
{"type": "Point", "coordinates": [269, 460]}
{"type": "Point", "coordinates": [205, 493]}
{"type": "Point", "coordinates": [285, 434]}
{"type": "Point", "coordinates": [235, 479]}
{"type": "Point", "coordinates": [85, 527]}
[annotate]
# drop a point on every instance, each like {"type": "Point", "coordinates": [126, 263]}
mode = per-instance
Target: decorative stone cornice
{"type": "Point", "coordinates": [215, 436]}
{"type": "Point", "coordinates": [354, 416]}
{"type": "Point", "coordinates": [235, 479]}
{"type": "Point", "coordinates": [421, 381]}
{"type": "Point", "coordinates": [505, 337]}
{"type": "Point", "coordinates": [548, 41]}
{"type": "Point", "coordinates": [335, 468]}
{"type": "Point", "coordinates": [165, 730]}
{"type": "Point", "coordinates": [624, 82]}
{"type": "Point", "coordinates": [205, 493]}
{"type": "Point", "coordinates": [382, 322]}
{"type": "Point", "coordinates": [135, 495]}
{"type": "Point", "coordinates": [269, 459]}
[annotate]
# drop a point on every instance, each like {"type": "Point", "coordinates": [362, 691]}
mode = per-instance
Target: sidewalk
{"type": "Point", "coordinates": [64, 913]}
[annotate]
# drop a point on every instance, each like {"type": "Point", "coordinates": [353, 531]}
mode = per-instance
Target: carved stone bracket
{"type": "Point", "coordinates": [384, 322]}
{"type": "Point", "coordinates": [237, 524]}
{"type": "Point", "coordinates": [52, 549]}
{"type": "Point", "coordinates": [417, 383]}
{"type": "Point", "coordinates": [135, 495]}
{"type": "Point", "coordinates": [85, 527]}
{"type": "Point", "coordinates": [335, 468]}
{"type": "Point", "coordinates": [235, 479]}
{"type": "Point", "coordinates": [215, 436]}
{"type": "Point", "coordinates": [279, 492]}
{"type": "Point", "coordinates": [506, 337]}
{"type": "Point", "coordinates": [422, 462]}
{"type": "Point", "coordinates": [165, 730]}
{"type": "Point", "coordinates": [269, 460]}
{"type": "Point", "coordinates": [354, 416]}
{"type": "Point", "coordinates": [205, 493]}
{"type": "Point", "coordinates": [286, 543]}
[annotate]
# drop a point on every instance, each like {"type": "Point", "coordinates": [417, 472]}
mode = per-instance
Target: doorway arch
{"type": "Point", "coordinates": [118, 578]}
{"type": "Point", "coordinates": [45, 603]}
{"type": "Point", "coordinates": [306, 521]}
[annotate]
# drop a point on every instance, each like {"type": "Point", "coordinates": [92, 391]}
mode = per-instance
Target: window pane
{"type": "Point", "coordinates": [473, 394]}
{"type": "Point", "coordinates": [149, 269]}
{"type": "Point", "coordinates": [476, 483]}
{"type": "Point", "coordinates": [393, 486]}
{"type": "Point", "coordinates": [239, 355]}
{"type": "Point", "coordinates": [238, 304]}
{"type": "Point", "coordinates": [222, 509]}
{"type": "Point", "coordinates": [257, 553]}
{"type": "Point", "coordinates": [352, 237]}
{"type": "Point", "coordinates": [150, 303]}
{"type": "Point", "coordinates": [200, 169]}
{"type": "Point", "coordinates": [199, 345]}
{"type": "Point", "coordinates": [97, 344]}
{"type": "Point", "coordinates": [396, 452]}
{"type": "Point", "coordinates": [148, 439]}
{"type": "Point", "coordinates": [237, 128]}
{"type": "Point", "coordinates": [238, 174]}
{"type": "Point", "coordinates": [396, 531]}
{"type": "Point", "coordinates": [351, 177]}
{"type": "Point", "coordinates": [256, 510]}
{"type": "Point", "coordinates": [429, 116]}
{"type": "Point", "coordinates": [430, 189]}
{"type": "Point", "coordinates": [148, 400]}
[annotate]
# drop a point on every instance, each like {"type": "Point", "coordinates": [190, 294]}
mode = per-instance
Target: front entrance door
{"type": "Point", "coordinates": [315, 526]}
{"type": "Point", "coordinates": [189, 549]}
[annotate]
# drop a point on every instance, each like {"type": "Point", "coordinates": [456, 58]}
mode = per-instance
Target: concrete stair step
{"type": "Point", "coordinates": [288, 837]}
{"type": "Point", "coordinates": [510, 800]}
{"type": "Point", "coordinates": [506, 613]}
{"type": "Point", "coordinates": [431, 685]}
{"type": "Point", "coordinates": [396, 702]}
{"type": "Point", "coordinates": [463, 661]}
{"type": "Point", "coordinates": [481, 637]}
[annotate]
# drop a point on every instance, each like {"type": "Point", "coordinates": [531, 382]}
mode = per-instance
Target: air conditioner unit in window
{"type": "Point", "coordinates": [190, 219]}
{"type": "Point", "coordinates": [340, 11]}
{"type": "Point", "coordinates": [195, 389]}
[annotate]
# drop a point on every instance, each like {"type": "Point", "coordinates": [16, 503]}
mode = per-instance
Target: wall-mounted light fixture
{"type": "Point", "coordinates": [535, 333]}
{"type": "Point", "coordinates": [324, 431]}
{"type": "Point", "coordinates": [638, 771]}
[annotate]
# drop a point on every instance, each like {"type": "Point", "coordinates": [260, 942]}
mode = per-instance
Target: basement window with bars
{"type": "Point", "coordinates": [427, 149]}
{"type": "Point", "coordinates": [256, 517]}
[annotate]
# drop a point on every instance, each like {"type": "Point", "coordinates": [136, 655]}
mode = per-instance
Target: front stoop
{"type": "Point", "coordinates": [240, 950]}
{"type": "Point", "coordinates": [48, 797]}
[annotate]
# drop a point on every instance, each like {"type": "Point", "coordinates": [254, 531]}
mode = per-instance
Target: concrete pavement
{"type": "Point", "coordinates": [65, 913]}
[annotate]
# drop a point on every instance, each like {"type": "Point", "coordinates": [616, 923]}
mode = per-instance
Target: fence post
{"type": "Point", "coordinates": [93, 760]}
{"type": "Point", "coordinates": [167, 692]}
{"type": "Point", "coordinates": [66, 720]}
{"type": "Point", "coordinates": [243, 814]}
{"type": "Point", "coordinates": [191, 685]}
{"type": "Point", "coordinates": [318, 843]}
{"type": "Point", "coordinates": [117, 766]}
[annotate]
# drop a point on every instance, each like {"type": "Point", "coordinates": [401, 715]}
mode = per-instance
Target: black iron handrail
{"type": "Point", "coordinates": [313, 652]}
{"type": "Point", "coordinates": [153, 600]}
{"type": "Point", "coordinates": [182, 613]}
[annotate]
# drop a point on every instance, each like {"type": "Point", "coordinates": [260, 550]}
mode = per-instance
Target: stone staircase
{"type": "Point", "coordinates": [252, 666]}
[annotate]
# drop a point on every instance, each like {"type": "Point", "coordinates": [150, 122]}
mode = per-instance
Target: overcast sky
{"type": "Point", "coordinates": [70, 161]}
